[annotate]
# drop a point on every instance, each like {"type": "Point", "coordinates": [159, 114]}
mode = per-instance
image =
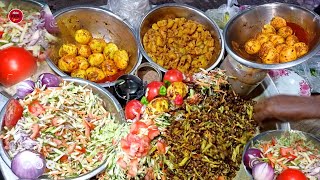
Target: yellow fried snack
{"type": "Point", "coordinates": [176, 88]}
{"type": "Point", "coordinates": [270, 56]}
{"type": "Point", "coordinates": [278, 22]}
{"type": "Point", "coordinates": [276, 39]}
{"type": "Point", "coordinates": [79, 73]}
{"type": "Point", "coordinates": [97, 45]}
{"type": "Point", "coordinates": [109, 50]}
{"type": "Point", "coordinates": [262, 38]}
{"type": "Point", "coordinates": [68, 63]}
{"type": "Point", "coordinates": [121, 59]}
{"type": "Point", "coordinates": [158, 106]}
{"type": "Point", "coordinates": [109, 67]}
{"type": "Point", "coordinates": [83, 62]}
{"type": "Point", "coordinates": [291, 40]}
{"type": "Point", "coordinates": [68, 49]}
{"type": "Point", "coordinates": [268, 29]}
{"type": "Point", "coordinates": [82, 36]}
{"type": "Point", "coordinates": [95, 74]}
{"type": "Point", "coordinates": [288, 54]}
{"type": "Point", "coordinates": [84, 51]}
{"type": "Point", "coordinates": [252, 46]}
{"type": "Point", "coordinates": [96, 59]}
{"type": "Point", "coordinates": [285, 31]}
{"type": "Point", "coordinates": [279, 47]}
{"type": "Point", "coordinates": [301, 48]}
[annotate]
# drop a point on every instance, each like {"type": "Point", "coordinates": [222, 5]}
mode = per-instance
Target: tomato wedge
{"type": "Point", "coordinates": [36, 108]}
{"type": "Point", "coordinates": [1, 33]}
{"type": "Point", "coordinates": [13, 113]}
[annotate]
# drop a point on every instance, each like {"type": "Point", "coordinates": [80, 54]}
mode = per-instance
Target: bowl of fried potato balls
{"type": "Point", "coordinates": [273, 36]}
{"type": "Point", "coordinates": [94, 44]}
{"type": "Point", "coordinates": [177, 36]}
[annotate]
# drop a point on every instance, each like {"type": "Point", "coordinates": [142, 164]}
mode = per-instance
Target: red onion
{"type": "Point", "coordinates": [50, 80]}
{"type": "Point", "coordinates": [250, 157]}
{"type": "Point", "coordinates": [28, 165]}
{"type": "Point", "coordinates": [262, 171]}
{"type": "Point", "coordinates": [49, 21]}
{"type": "Point", "coordinates": [24, 88]}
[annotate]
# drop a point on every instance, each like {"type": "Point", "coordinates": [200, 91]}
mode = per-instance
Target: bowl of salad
{"type": "Point", "coordinates": [281, 154]}
{"type": "Point", "coordinates": [59, 128]}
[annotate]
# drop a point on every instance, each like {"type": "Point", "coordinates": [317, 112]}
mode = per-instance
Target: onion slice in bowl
{"type": "Point", "coordinates": [49, 21]}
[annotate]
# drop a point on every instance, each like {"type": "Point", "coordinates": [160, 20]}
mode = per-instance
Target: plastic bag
{"type": "Point", "coordinates": [222, 15]}
{"type": "Point", "coordinates": [129, 10]}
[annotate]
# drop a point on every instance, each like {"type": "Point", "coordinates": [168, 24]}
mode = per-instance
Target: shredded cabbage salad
{"type": "Point", "coordinates": [292, 150]}
{"type": "Point", "coordinates": [30, 33]}
{"type": "Point", "coordinates": [71, 128]}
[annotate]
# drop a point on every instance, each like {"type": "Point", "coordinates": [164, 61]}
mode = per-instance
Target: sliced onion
{"type": "Point", "coordinates": [250, 157]}
{"type": "Point", "coordinates": [49, 80]}
{"type": "Point", "coordinates": [262, 171]}
{"type": "Point", "coordinates": [28, 165]}
{"type": "Point", "coordinates": [24, 88]}
{"type": "Point", "coordinates": [49, 21]}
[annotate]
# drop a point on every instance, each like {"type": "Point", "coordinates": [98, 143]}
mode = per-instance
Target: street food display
{"type": "Point", "coordinates": [180, 44]}
{"type": "Point", "coordinates": [277, 43]}
{"type": "Point", "coordinates": [91, 58]}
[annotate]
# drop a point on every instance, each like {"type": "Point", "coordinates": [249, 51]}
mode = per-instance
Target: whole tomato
{"type": "Point", "coordinates": [154, 89]}
{"type": "Point", "coordinates": [133, 109]}
{"type": "Point", "coordinates": [173, 75]}
{"type": "Point", "coordinates": [291, 174]}
{"type": "Point", "coordinates": [13, 113]}
{"type": "Point", "coordinates": [17, 64]}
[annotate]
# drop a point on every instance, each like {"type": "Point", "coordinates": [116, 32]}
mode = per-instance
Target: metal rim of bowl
{"type": "Point", "coordinates": [252, 140]}
{"type": "Point", "coordinates": [110, 13]}
{"type": "Point", "coordinates": [198, 11]}
{"type": "Point", "coordinates": [268, 66]}
{"type": "Point", "coordinates": [97, 170]}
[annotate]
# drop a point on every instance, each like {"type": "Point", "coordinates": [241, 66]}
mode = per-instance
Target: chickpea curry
{"type": "Point", "coordinates": [180, 44]}
{"type": "Point", "coordinates": [278, 42]}
{"type": "Point", "coordinates": [92, 58]}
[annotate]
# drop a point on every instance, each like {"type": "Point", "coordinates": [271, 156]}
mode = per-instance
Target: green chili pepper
{"type": "Point", "coordinates": [163, 91]}
{"type": "Point", "coordinates": [144, 100]}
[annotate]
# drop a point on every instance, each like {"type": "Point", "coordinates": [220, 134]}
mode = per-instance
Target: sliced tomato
{"type": "Point", "coordinates": [81, 150]}
{"type": "Point", "coordinates": [286, 151]}
{"type": "Point", "coordinates": [137, 126]}
{"type": "Point", "coordinates": [291, 174]}
{"type": "Point", "coordinates": [1, 33]}
{"type": "Point", "coordinates": [64, 158]}
{"type": "Point", "coordinates": [122, 163]}
{"type": "Point", "coordinates": [13, 113]}
{"type": "Point", "coordinates": [133, 170]}
{"type": "Point", "coordinates": [161, 147]}
{"type": "Point", "coordinates": [36, 108]}
{"type": "Point", "coordinates": [153, 132]}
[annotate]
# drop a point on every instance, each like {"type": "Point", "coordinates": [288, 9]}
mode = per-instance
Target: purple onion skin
{"type": "Point", "coordinates": [262, 171]}
{"type": "Point", "coordinates": [50, 80]}
{"type": "Point", "coordinates": [249, 155]}
{"type": "Point", "coordinates": [24, 88]}
{"type": "Point", "coordinates": [49, 21]}
{"type": "Point", "coordinates": [28, 165]}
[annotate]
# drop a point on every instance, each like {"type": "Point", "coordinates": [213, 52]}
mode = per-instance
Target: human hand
{"type": "Point", "coordinates": [287, 108]}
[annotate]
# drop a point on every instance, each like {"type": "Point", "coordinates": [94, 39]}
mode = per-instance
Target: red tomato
{"type": "Point", "coordinates": [161, 146]}
{"type": "Point", "coordinates": [13, 113]}
{"type": "Point", "coordinates": [133, 109]}
{"type": "Point", "coordinates": [286, 151]}
{"type": "Point", "coordinates": [178, 100]}
{"type": "Point", "coordinates": [153, 89]}
{"type": "Point", "coordinates": [173, 75]}
{"type": "Point", "coordinates": [136, 126]}
{"type": "Point", "coordinates": [17, 64]}
{"type": "Point", "coordinates": [291, 174]}
{"type": "Point", "coordinates": [1, 33]}
{"type": "Point", "coordinates": [64, 158]}
{"type": "Point", "coordinates": [153, 132]}
{"type": "Point", "coordinates": [36, 108]}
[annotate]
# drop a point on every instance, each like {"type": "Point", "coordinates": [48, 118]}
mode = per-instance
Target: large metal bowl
{"type": "Point", "coordinates": [110, 103]}
{"type": "Point", "coordinates": [104, 24]}
{"type": "Point", "coordinates": [247, 24]}
{"type": "Point", "coordinates": [268, 135]}
{"type": "Point", "coordinates": [173, 10]}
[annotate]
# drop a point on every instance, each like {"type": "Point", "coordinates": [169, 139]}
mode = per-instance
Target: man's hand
{"type": "Point", "coordinates": [287, 108]}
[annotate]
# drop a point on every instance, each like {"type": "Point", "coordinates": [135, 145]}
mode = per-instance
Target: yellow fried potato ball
{"type": "Point", "coordinates": [268, 29]}
{"type": "Point", "coordinates": [109, 50]}
{"type": "Point", "coordinates": [83, 62]}
{"type": "Point", "coordinates": [121, 59]}
{"type": "Point", "coordinates": [96, 59]}
{"type": "Point", "coordinates": [276, 39]}
{"type": "Point", "coordinates": [97, 45]}
{"type": "Point", "coordinates": [262, 38]}
{"type": "Point", "coordinates": [84, 51]}
{"type": "Point", "coordinates": [279, 47]}
{"type": "Point", "coordinates": [271, 56]}
{"type": "Point", "coordinates": [301, 48]}
{"type": "Point", "coordinates": [291, 40]}
{"type": "Point", "coordinates": [95, 74]}
{"type": "Point", "coordinates": [79, 73]}
{"type": "Point", "coordinates": [68, 49]}
{"type": "Point", "coordinates": [265, 48]}
{"type": "Point", "coordinates": [285, 31]}
{"type": "Point", "coordinates": [68, 63]}
{"type": "Point", "coordinates": [109, 67]}
{"type": "Point", "coordinates": [288, 54]}
{"type": "Point", "coordinates": [82, 36]}
{"type": "Point", "coordinates": [252, 46]}
{"type": "Point", "coordinates": [158, 106]}
{"type": "Point", "coordinates": [278, 22]}
{"type": "Point", "coordinates": [176, 88]}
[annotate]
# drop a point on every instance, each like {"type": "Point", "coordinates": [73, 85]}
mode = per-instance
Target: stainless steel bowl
{"type": "Point", "coordinates": [173, 10]}
{"type": "Point", "coordinates": [248, 23]}
{"type": "Point", "coordinates": [110, 103]}
{"type": "Point", "coordinates": [268, 135]}
{"type": "Point", "coordinates": [104, 24]}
